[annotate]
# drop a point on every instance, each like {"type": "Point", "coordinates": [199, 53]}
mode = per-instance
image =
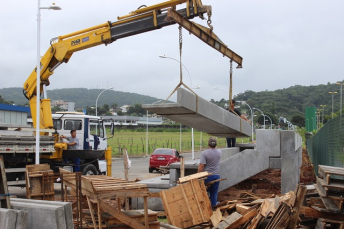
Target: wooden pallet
{"type": "Point", "coordinates": [39, 182]}
{"type": "Point", "coordinates": [4, 195]}
{"type": "Point", "coordinates": [187, 204]}
{"type": "Point", "coordinates": [325, 172]}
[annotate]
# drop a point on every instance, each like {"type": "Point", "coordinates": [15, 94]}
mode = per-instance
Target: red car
{"type": "Point", "coordinates": [163, 157]}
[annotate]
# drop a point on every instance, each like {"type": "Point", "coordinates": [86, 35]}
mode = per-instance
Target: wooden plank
{"type": "Point", "coordinates": [182, 167]}
{"type": "Point", "coordinates": [228, 221]}
{"type": "Point", "coordinates": [122, 217]}
{"type": "Point", "coordinates": [241, 209]}
{"type": "Point", "coordinates": [330, 204]}
{"type": "Point", "coordinates": [265, 208]}
{"type": "Point", "coordinates": [300, 195]}
{"type": "Point", "coordinates": [166, 207]}
{"type": "Point", "coordinates": [193, 176]}
{"type": "Point", "coordinates": [37, 167]}
{"type": "Point", "coordinates": [145, 204]}
{"type": "Point", "coordinates": [216, 217]}
{"type": "Point", "coordinates": [248, 216]}
{"type": "Point", "coordinates": [310, 212]}
{"type": "Point", "coordinates": [91, 211]}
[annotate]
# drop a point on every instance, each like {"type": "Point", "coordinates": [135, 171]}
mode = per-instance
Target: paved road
{"type": "Point", "coordinates": [139, 167]}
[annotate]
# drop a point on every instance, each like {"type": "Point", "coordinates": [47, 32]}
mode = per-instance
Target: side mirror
{"type": "Point", "coordinates": [112, 128]}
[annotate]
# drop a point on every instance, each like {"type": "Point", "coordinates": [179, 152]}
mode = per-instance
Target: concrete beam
{"type": "Point", "coordinates": [196, 112]}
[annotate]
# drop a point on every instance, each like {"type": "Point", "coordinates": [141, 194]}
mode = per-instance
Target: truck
{"type": "Point", "coordinates": [61, 49]}
{"type": "Point", "coordinates": [17, 145]}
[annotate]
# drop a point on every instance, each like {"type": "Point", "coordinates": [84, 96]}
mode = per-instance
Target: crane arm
{"type": "Point", "coordinates": [137, 22]}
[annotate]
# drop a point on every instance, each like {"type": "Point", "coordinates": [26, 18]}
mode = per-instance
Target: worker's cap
{"type": "Point", "coordinates": [212, 142]}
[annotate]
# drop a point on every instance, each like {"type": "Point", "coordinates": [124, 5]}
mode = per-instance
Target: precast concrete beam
{"type": "Point", "coordinates": [196, 112]}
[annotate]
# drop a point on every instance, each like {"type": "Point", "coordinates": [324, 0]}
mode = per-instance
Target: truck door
{"type": "Point", "coordinates": [97, 134]}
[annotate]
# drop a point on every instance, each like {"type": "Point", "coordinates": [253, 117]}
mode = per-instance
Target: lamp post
{"type": "Point", "coordinates": [38, 71]}
{"type": "Point", "coordinates": [147, 130]}
{"type": "Point", "coordinates": [332, 92]}
{"type": "Point", "coordinates": [163, 56]}
{"type": "Point", "coordinates": [270, 121]}
{"type": "Point", "coordinates": [323, 108]}
{"type": "Point", "coordinates": [244, 102]}
{"type": "Point", "coordinates": [341, 96]}
{"type": "Point", "coordinates": [262, 114]}
{"type": "Point", "coordinates": [216, 88]}
{"type": "Point", "coordinates": [98, 98]}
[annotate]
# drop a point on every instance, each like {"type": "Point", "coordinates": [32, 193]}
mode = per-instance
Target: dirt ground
{"type": "Point", "coordinates": [268, 183]}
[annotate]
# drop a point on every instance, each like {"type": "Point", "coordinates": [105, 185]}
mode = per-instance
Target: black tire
{"type": "Point", "coordinates": [89, 170]}
{"type": "Point", "coordinates": [151, 170]}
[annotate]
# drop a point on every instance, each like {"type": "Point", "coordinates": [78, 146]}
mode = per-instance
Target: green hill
{"type": "Point", "coordinates": [286, 102]}
{"type": "Point", "coordinates": [81, 96]}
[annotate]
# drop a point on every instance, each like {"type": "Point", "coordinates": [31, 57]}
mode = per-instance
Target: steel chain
{"type": "Point", "coordinates": [180, 51]}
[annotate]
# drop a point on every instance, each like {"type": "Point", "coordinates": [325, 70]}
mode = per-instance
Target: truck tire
{"type": "Point", "coordinates": [151, 170]}
{"type": "Point", "coordinates": [89, 170]}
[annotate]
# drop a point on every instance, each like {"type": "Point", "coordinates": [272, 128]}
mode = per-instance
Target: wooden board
{"type": "Point", "coordinates": [187, 204]}
{"type": "Point", "coordinates": [39, 182]}
{"type": "Point", "coordinates": [326, 171]}
{"type": "Point", "coordinates": [193, 176]}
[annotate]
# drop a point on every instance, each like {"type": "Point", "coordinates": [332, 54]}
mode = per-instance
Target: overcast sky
{"type": "Point", "coordinates": [283, 43]}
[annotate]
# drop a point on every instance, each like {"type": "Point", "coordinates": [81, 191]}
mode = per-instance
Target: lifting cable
{"type": "Point", "coordinates": [180, 68]}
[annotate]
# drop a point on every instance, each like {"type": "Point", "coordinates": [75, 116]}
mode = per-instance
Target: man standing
{"type": "Point", "coordinates": [231, 141]}
{"type": "Point", "coordinates": [73, 144]}
{"type": "Point", "coordinates": [210, 162]}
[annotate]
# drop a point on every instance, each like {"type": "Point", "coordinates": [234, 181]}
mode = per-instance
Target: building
{"type": "Point", "coordinates": [125, 108]}
{"type": "Point", "coordinates": [12, 114]}
{"type": "Point", "coordinates": [66, 106]}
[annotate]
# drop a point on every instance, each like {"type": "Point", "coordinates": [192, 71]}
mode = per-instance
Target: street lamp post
{"type": "Point", "coordinates": [262, 114]}
{"type": "Point", "coordinates": [341, 96]}
{"type": "Point", "coordinates": [244, 102]}
{"type": "Point", "coordinates": [147, 130]}
{"type": "Point", "coordinates": [332, 92]}
{"type": "Point", "coordinates": [323, 108]}
{"type": "Point", "coordinates": [98, 98]}
{"type": "Point", "coordinates": [38, 71]}
{"type": "Point", "coordinates": [163, 56]}
{"type": "Point", "coordinates": [270, 121]}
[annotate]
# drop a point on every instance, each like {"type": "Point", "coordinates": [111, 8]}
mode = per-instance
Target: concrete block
{"type": "Point", "coordinates": [8, 218]}
{"type": "Point", "coordinates": [154, 204]}
{"type": "Point", "coordinates": [21, 222]}
{"type": "Point", "coordinates": [275, 163]}
{"type": "Point", "coordinates": [42, 216]}
{"type": "Point", "coordinates": [202, 115]}
{"type": "Point", "coordinates": [241, 166]}
{"type": "Point", "coordinates": [161, 182]}
{"type": "Point", "coordinates": [67, 206]}
{"type": "Point", "coordinates": [290, 171]}
{"type": "Point", "coordinates": [228, 152]}
{"type": "Point", "coordinates": [269, 142]}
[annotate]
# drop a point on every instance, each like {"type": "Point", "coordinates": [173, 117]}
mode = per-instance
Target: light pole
{"type": "Point", "coordinates": [192, 136]}
{"type": "Point", "coordinates": [163, 56]}
{"type": "Point", "coordinates": [323, 108]}
{"type": "Point", "coordinates": [341, 96]}
{"type": "Point", "coordinates": [216, 88]}
{"type": "Point", "coordinates": [38, 71]}
{"type": "Point", "coordinates": [244, 102]}
{"type": "Point", "coordinates": [332, 92]}
{"type": "Point", "coordinates": [147, 131]}
{"type": "Point", "coordinates": [98, 98]}
{"type": "Point", "coordinates": [270, 121]}
{"type": "Point", "coordinates": [262, 114]}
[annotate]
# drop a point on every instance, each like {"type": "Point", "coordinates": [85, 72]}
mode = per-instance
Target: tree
{"type": "Point", "coordinates": [298, 120]}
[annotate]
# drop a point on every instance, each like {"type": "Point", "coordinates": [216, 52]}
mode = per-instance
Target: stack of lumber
{"type": "Point", "coordinates": [328, 207]}
{"type": "Point", "coordinates": [39, 182]}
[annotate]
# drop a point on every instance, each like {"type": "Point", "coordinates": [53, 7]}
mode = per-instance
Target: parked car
{"type": "Point", "coordinates": [163, 157]}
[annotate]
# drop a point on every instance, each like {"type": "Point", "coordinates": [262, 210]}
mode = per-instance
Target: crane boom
{"type": "Point", "coordinates": [137, 22]}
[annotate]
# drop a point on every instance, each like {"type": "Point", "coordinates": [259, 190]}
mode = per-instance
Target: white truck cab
{"type": "Point", "coordinates": [90, 131]}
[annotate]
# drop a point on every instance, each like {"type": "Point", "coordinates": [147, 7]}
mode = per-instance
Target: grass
{"type": "Point", "coordinates": [135, 142]}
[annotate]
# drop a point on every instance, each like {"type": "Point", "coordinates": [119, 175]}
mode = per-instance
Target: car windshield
{"type": "Point", "coordinates": [163, 152]}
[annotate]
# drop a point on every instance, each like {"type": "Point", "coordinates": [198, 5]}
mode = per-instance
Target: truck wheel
{"type": "Point", "coordinates": [89, 170]}
{"type": "Point", "coordinates": [151, 170]}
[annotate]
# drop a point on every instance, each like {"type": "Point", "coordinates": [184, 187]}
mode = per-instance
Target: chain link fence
{"type": "Point", "coordinates": [326, 147]}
